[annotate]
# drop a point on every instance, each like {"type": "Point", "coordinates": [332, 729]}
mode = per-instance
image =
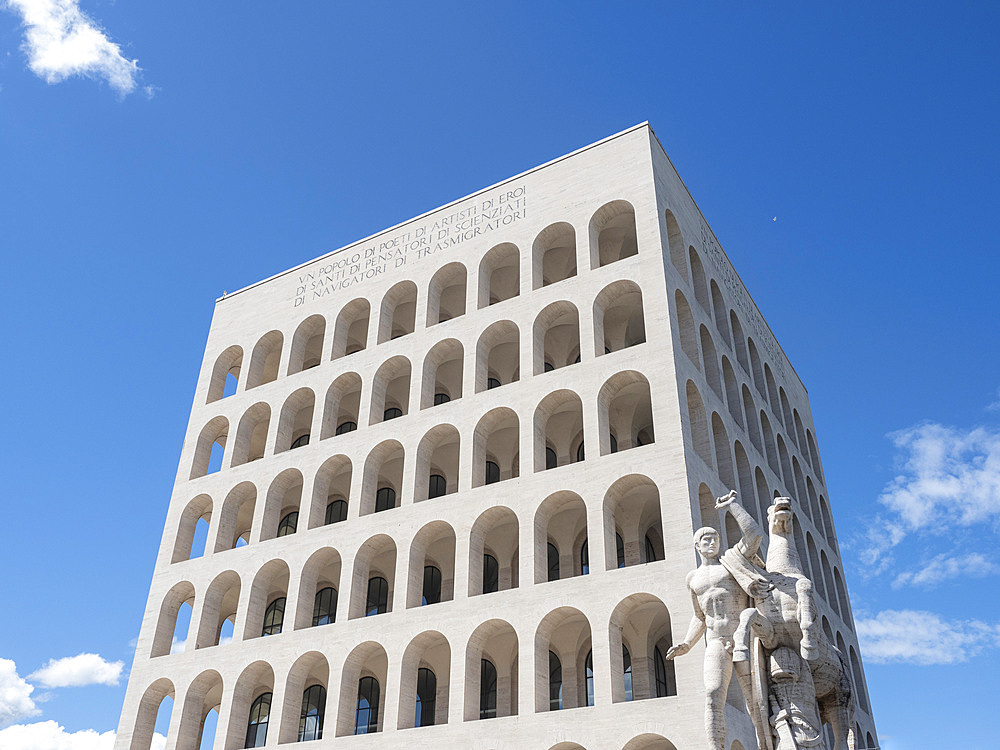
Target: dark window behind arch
{"type": "Point", "coordinates": [555, 683]}
{"type": "Point", "coordinates": [437, 486]}
{"type": "Point", "coordinates": [432, 585]}
{"type": "Point", "coordinates": [588, 669]}
{"type": "Point", "coordinates": [325, 606]}
{"type": "Point", "coordinates": [300, 441]}
{"type": "Point", "coordinates": [260, 712]}
{"type": "Point", "coordinates": [585, 557]}
{"type": "Point", "coordinates": [345, 427]}
{"type": "Point", "coordinates": [551, 460]}
{"type": "Point", "coordinates": [492, 383]}
{"type": "Point", "coordinates": [274, 616]}
{"type": "Point", "coordinates": [553, 561]}
{"type": "Point", "coordinates": [491, 574]}
{"type": "Point", "coordinates": [311, 715]}
{"type": "Point", "coordinates": [441, 398]}
{"type": "Point", "coordinates": [660, 670]}
{"type": "Point", "coordinates": [288, 524]}
{"type": "Point", "coordinates": [650, 550]}
{"type": "Point", "coordinates": [377, 602]}
{"type": "Point", "coordinates": [487, 689]}
{"type": "Point", "coordinates": [391, 413]}
{"type": "Point", "coordinates": [366, 713]}
{"type": "Point", "coordinates": [385, 499]}
{"type": "Point", "coordinates": [620, 550]}
{"type": "Point", "coordinates": [492, 472]}
{"type": "Point", "coordinates": [580, 453]}
{"type": "Point", "coordinates": [336, 512]}
{"type": "Point", "coordinates": [627, 670]}
{"type": "Point", "coordinates": [426, 698]}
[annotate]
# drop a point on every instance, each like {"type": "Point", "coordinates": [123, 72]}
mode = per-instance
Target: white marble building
{"type": "Point", "coordinates": [384, 472]}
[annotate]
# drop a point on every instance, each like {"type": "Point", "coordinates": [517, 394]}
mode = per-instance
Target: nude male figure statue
{"type": "Point", "coordinates": [718, 595]}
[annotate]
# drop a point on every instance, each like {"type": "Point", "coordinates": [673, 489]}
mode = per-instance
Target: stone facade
{"type": "Point", "coordinates": [440, 378]}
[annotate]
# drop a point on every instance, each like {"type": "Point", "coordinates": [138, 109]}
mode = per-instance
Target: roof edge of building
{"type": "Point", "coordinates": [633, 128]}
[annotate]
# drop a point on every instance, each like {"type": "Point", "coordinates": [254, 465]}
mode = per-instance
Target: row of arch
{"type": "Point", "coordinates": [712, 444]}
{"type": "Point", "coordinates": [709, 298]}
{"type": "Point", "coordinates": [553, 259]}
{"type": "Point", "coordinates": [737, 397]}
{"type": "Point", "coordinates": [624, 411]}
{"type": "Point", "coordinates": [566, 673]}
{"type": "Point", "coordinates": [618, 325]}
{"type": "Point", "coordinates": [282, 599]}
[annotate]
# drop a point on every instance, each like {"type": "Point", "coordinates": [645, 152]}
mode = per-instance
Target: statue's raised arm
{"type": "Point", "coordinates": [752, 532]}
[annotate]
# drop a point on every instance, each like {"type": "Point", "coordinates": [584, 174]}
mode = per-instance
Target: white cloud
{"type": "Point", "coordinates": [944, 567]}
{"type": "Point", "coordinates": [77, 671]}
{"type": "Point", "coordinates": [15, 696]}
{"type": "Point", "coordinates": [914, 637]}
{"type": "Point", "coordinates": [49, 735]}
{"type": "Point", "coordinates": [62, 41]}
{"type": "Point", "coordinates": [950, 479]}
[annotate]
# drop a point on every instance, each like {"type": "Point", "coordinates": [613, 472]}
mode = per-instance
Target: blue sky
{"type": "Point", "coordinates": [155, 154]}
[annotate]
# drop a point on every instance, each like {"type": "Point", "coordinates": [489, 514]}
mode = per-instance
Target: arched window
{"type": "Point", "coordinates": [491, 574]}
{"type": "Point", "coordinates": [492, 472]}
{"type": "Point", "coordinates": [487, 690]}
{"type": "Point", "coordinates": [391, 413]}
{"type": "Point", "coordinates": [555, 683]}
{"type": "Point", "coordinates": [432, 585]}
{"type": "Point", "coordinates": [257, 721]}
{"type": "Point", "coordinates": [274, 616]}
{"type": "Point", "coordinates": [650, 550]}
{"type": "Point", "coordinates": [627, 669]}
{"type": "Point", "coordinates": [325, 606]}
{"type": "Point", "coordinates": [366, 714]}
{"type": "Point", "coordinates": [492, 383]}
{"type": "Point", "coordinates": [288, 524]}
{"type": "Point", "coordinates": [585, 557]}
{"type": "Point", "coordinates": [441, 398]}
{"type": "Point", "coordinates": [437, 486]}
{"type": "Point", "coordinates": [377, 602]}
{"type": "Point", "coordinates": [311, 716]}
{"type": "Point", "coordinates": [385, 499]}
{"type": "Point", "coordinates": [345, 427]}
{"type": "Point", "coordinates": [614, 442]}
{"type": "Point", "coordinates": [551, 460]}
{"type": "Point", "coordinates": [660, 671]}
{"type": "Point", "coordinates": [426, 698]}
{"type": "Point", "coordinates": [580, 453]}
{"type": "Point", "coordinates": [620, 550]}
{"type": "Point", "coordinates": [336, 511]}
{"type": "Point", "coordinates": [300, 441]}
{"type": "Point", "coordinates": [553, 562]}
{"type": "Point", "coordinates": [588, 669]}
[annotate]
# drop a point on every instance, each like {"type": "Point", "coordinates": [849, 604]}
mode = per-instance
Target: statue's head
{"type": "Point", "coordinates": [707, 541]}
{"type": "Point", "coordinates": [780, 514]}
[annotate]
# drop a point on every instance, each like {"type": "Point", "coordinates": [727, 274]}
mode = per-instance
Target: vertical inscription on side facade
{"type": "Point", "coordinates": [743, 301]}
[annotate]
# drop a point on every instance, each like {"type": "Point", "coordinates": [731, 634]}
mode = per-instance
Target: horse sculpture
{"type": "Point", "coordinates": [794, 699]}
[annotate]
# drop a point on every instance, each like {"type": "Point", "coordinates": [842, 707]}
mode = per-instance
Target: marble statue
{"type": "Point", "coordinates": [760, 622]}
{"type": "Point", "coordinates": [719, 595]}
{"type": "Point", "coordinates": [803, 679]}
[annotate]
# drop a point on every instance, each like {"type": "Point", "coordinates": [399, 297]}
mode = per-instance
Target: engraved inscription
{"type": "Point", "coordinates": [739, 293]}
{"type": "Point", "coordinates": [385, 253]}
